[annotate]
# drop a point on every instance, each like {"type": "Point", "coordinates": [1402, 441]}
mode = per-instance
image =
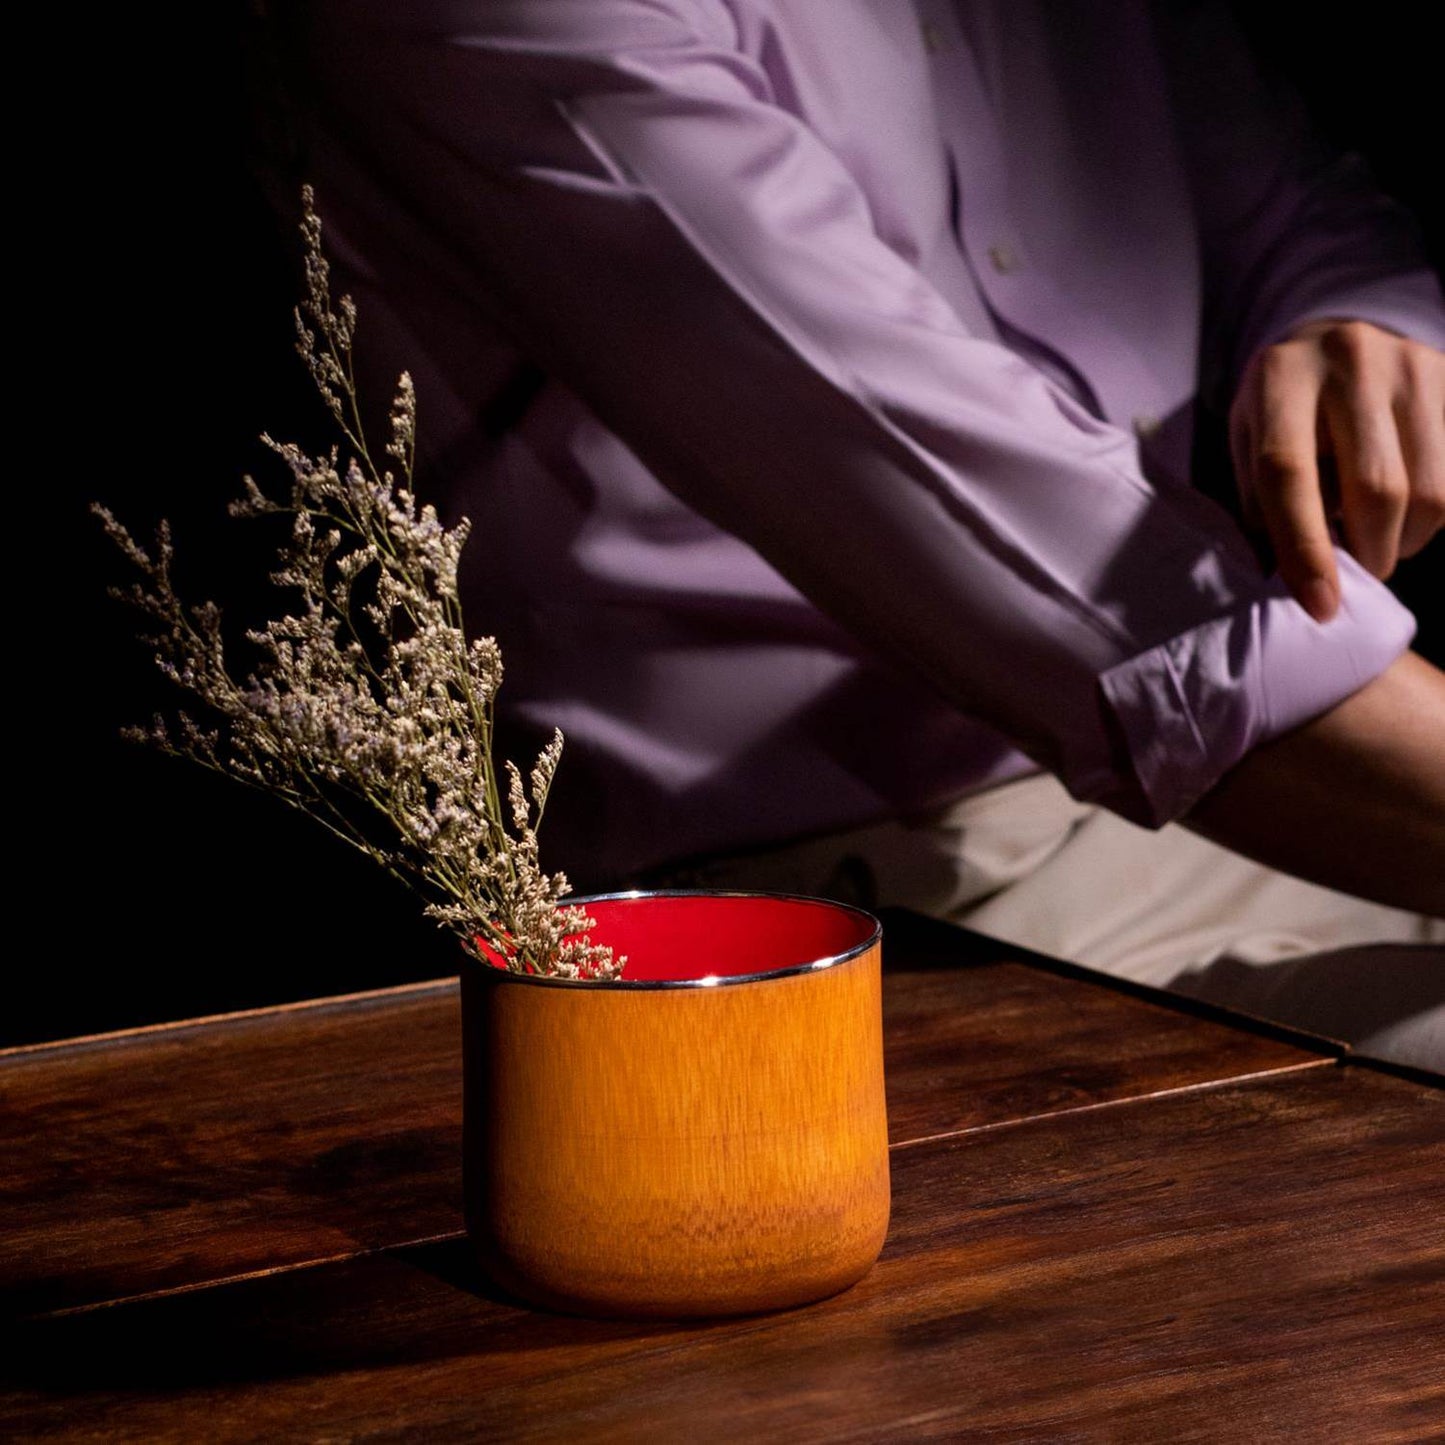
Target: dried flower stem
{"type": "Point", "coordinates": [368, 708]}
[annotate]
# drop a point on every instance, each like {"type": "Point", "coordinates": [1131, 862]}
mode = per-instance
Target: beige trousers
{"type": "Point", "coordinates": [1027, 864]}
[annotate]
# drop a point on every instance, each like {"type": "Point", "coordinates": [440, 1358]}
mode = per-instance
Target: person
{"type": "Point", "coordinates": [822, 384]}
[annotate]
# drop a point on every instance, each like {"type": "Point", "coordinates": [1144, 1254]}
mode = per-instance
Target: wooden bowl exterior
{"type": "Point", "coordinates": [677, 1152]}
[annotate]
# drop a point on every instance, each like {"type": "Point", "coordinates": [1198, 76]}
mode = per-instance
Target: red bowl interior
{"type": "Point", "coordinates": [690, 937]}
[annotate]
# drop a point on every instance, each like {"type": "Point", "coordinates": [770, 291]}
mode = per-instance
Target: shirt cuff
{"type": "Point", "coordinates": [1409, 305]}
{"type": "Point", "coordinates": [1192, 707]}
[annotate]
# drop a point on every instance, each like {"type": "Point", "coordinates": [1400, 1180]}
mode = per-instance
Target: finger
{"type": "Point", "coordinates": [1374, 488]}
{"type": "Point", "coordinates": [1329, 472]}
{"type": "Point", "coordinates": [1287, 482]}
{"type": "Point", "coordinates": [1241, 448]}
{"type": "Point", "coordinates": [1420, 417]}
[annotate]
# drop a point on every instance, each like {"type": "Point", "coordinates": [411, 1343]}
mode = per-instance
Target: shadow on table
{"type": "Point", "coordinates": [413, 1305]}
{"type": "Point", "coordinates": [1315, 1002]}
{"type": "Point", "coordinates": [1383, 1001]}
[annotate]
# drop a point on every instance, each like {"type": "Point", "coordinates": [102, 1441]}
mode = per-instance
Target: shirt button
{"type": "Point", "coordinates": [1005, 258]}
{"type": "Point", "coordinates": [933, 41]}
{"type": "Point", "coordinates": [1145, 425]}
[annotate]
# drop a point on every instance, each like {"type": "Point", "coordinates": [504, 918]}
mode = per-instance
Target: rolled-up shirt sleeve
{"type": "Point", "coordinates": [614, 183]}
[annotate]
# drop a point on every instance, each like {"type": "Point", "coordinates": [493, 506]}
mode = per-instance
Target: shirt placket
{"type": "Point", "coordinates": [989, 241]}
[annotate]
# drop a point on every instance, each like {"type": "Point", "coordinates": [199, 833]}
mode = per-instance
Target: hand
{"type": "Point", "coordinates": [1373, 404]}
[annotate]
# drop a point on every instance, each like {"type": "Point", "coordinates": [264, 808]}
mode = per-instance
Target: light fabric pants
{"type": "Point", "coordinates": [1027, 864]}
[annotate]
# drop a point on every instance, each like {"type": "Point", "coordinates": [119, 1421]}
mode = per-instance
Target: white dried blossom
{"type": "Point", "coordinates": [367, 707]}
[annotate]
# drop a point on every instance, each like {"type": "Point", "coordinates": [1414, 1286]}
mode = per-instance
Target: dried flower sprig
{"type": "Point", "coordinates": [367, 708]}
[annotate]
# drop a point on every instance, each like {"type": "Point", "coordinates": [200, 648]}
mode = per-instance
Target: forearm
{"type": "Point", "coordinates": [1354, 800]}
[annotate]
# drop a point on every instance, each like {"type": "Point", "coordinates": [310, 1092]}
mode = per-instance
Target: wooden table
{"type": "Point", "coordinates": [1113, 1218]}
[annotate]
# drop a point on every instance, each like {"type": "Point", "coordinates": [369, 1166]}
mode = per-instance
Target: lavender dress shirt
{"type": "Point", "coordinates": [819, 376]}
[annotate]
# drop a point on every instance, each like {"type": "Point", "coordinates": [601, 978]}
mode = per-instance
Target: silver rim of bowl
{"type": "Point", "coordinates": [505, 975]}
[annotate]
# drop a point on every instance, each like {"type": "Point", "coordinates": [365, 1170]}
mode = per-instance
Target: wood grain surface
{"type": "Point", "coordinates": [977, 1033]}
{"type": "Point", "coordinates": [178, 1156]}
{"type": "Point", "coordinates": [1262, 1260]}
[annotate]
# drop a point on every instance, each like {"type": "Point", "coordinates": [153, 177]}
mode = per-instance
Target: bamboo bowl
{"type": "Point", "coordinates": [707, 1135]}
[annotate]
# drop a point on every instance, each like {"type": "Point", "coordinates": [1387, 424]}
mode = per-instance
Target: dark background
{"type": "Point", "coordinates": [163, 348]}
